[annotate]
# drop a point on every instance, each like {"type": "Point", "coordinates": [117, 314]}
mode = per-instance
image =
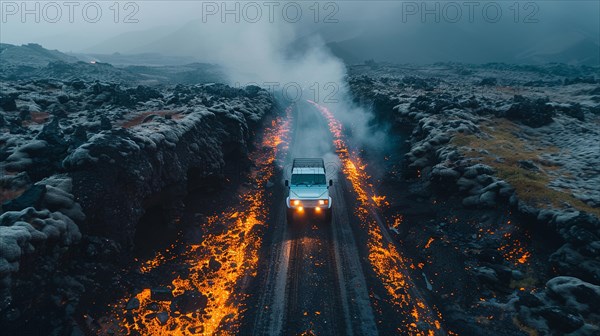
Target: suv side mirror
{"type": "Point", "coordinates": [330, 183]}
{"type": "Point", "coordinates": [287, 183]}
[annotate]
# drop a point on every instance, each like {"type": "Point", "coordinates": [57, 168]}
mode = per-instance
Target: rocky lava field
{"type": "Point", "coordinates": [82, 161]}
{"type": "Point", "coordinates": [497, 197]}
{"type": "Point", "coordinates": [491, 176]}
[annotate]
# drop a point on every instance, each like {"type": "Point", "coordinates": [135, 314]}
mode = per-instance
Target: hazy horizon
{"type": "Point", "coordinates": [407, 31]}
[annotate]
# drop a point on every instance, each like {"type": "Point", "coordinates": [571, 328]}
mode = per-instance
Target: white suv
{"type": "Point", "coordinates": [308, 190]}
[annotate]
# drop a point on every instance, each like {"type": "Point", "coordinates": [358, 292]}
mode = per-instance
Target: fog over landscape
{"type": "Point", "coordinates": [403, 32]}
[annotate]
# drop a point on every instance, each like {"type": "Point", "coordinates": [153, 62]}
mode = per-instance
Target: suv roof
{"type": "Point", "coordinates": [308, 163]}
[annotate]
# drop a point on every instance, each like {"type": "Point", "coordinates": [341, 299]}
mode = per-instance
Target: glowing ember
{"type": "Point", "coordinates": [398, 219]}
{"type": "Point", "coordinates": [217, 267]}
{"type": "Point", "coordinates": [384, 257]}
{"type": "Point", "coordinates": [380, 201]}
{"type": "Point", "coordinates": [513, 250]}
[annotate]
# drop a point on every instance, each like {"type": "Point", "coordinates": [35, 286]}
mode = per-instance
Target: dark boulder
{"type": "Point", "coordinates": [562, 319]}
{"type": "Point", "coordinates": [528, 300]}
{"type": "Point", "coordinates": [8, 103]}
{"type": "Point", "coordinates": [573, 111]}
{"type": "Point", "coordinates": [189, 301]}
{"type": "Point", "coordinates": [252, 90]}
{"type": "Point", "coordinates": [161, 294]}
{"type": "Point", "coordinates": [489, 81]}
{"type": "Point", "coordinates": [162, 318]}
{"type": "Point", "coordinates": [51, 133]}
{"type": "Point", "coordinates": [99, 87]}
{"type": "Point", "coordinates": [571, 262]}
{"type": "Point", "coordinates": [214, 264]}
{"type": "Point", "coordinates": [105, 123]}
{"type": "Point", "coordinates": [78, 85]}
{"type": "Point", "coordinates": [434, 104]}
{"type": "Point", "coordinates": [580, 80]}
{"type": "Point", "coordinates": [79, 137]}
{"type": "Point", "coordinates": [133, 303]}
{"type": "Point", "coordinates": [63, 99]}
{"type": "Point", "coordinates": [144, 93]}
{"type": "Point", "coordinates": [25, 114]}
{"type": "Point", "coordinates": [384, 104]}
{"type": "Point", "coordinates": [53, 153]}
{"type": "Point", "coordinates": [132, 96]}
{"type": "Point", "coordinates": [99, 248]}
{"type": "Point", "coordinates": [225, 90]}
{"type": "Point", "coordinates": [417, 83]}
{"type": "Point", "coordinates": [533, 113]}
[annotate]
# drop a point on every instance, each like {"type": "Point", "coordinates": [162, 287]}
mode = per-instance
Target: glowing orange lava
{"type": "Point", "coordinates": [225, 259]}
{"type": "Point", "coordinates": [384, 257]}
{"type": "Point", "coordinates": [514, 250]}
{"type": "Point", "coordinates": [380, 201]}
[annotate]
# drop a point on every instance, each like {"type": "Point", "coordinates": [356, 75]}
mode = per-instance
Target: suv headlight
{"type": "Point", "coordinates": [323, 202]}
{"type": "Point", "coordinates": [296, 203]}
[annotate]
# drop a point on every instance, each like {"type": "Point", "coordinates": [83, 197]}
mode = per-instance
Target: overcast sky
{"type": "Point", "coordinates": [232, 32]}
{"type": "Point", "coordinates": [79, 26]}
{"type": "Point", "coordinates": [40, 21]}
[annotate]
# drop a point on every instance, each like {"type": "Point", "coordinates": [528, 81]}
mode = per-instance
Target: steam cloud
{"type": "Point", "coordinates": [295, 65]}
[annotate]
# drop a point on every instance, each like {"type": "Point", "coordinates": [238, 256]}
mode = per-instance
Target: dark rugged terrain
{"type": "Point", "coordinates": [83, 160]}
{"type": "Point", "coordinates": [484, 217]}
{"type": "Point", "coordinates": [497, 200]}
{"type": "Point", "coordinates": [32, 61]}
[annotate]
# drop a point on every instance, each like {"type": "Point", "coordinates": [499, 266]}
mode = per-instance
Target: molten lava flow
{"type": "Point", "coordinates": [217, 267]}
{"type": "Point", "coordinates": [383, 255]}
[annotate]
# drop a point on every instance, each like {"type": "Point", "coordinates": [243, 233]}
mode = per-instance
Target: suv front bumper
{"type": "Point", "coordinates": [301, 204]}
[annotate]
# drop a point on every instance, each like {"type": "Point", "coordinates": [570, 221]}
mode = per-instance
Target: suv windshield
{"type": "Point", "coordinates": [308, 179]}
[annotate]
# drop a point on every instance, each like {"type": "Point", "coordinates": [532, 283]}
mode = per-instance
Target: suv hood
{"type": "Point", "coordinates": [302, 192]}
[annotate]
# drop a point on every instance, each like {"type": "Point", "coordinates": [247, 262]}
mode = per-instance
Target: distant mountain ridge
{"type": "Point", "coordinates": [32, 61]}
{"type": "Point", "coordinates": [32, 54]}
{"type": "Point", "coordinates": [565, 42]}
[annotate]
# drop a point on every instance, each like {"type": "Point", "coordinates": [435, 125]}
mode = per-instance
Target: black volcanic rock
{"type": "Point", "coordinates": [78, 85]}
{"type": "Point", "coordinates": [96, 151]}
{"type": "Point", "coordinates": [489, 81]}
{"type": "Point", "coordinates": [7, 102]}
{"type": "Point", "coordinates": [417, 83]}
{"type": "Point", "coordinates": [133, 96]}
{"type": "Point", "coordinates": [565, 305]}
{"type": "Point", "coordinates": [579, 256]}
{"type": "Point", "coordinates": [446, 131]}
{"type": "Point", "coordinates": [574, 110]}
{"type": "Point", "coordinates": [433, 104]}
{"type": "Point", "coordinates": [582, 79]}
{"type": "Point", "coordinates": [122, 168]}
{"type": "Point", "coordinates": [105, 123]}
{"type": "Point", "coordinates": [562, 319]}
{"type": "Point", "coordinates": [534, 113]}
{"type": "Point", "coordinates": [190, 301]}
{"type": "Point", "coordinates": [161, 294]}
